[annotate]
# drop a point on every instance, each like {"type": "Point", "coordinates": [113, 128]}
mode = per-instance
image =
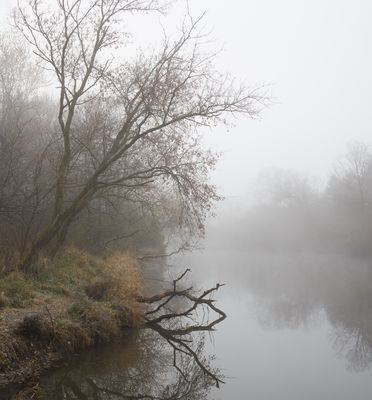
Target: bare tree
{"type": "Point", "coordinates": [351, 182]}
{"type": "Point", "coordinates": [349, 192]}
{"type": "Point", "coordinates": [23, 124]}
{"type": "Point", "coordinates": [147, 111]}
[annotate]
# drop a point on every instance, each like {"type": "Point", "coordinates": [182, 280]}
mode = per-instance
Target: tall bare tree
{"type": "Point", "coordinates": [146, 112]}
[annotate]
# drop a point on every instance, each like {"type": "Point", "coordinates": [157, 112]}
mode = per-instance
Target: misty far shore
{"type": "Point", "coordinates": [287, 212]}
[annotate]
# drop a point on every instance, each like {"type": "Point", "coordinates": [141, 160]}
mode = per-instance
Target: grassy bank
{"type": "Point", "coordinates": [74, 301]}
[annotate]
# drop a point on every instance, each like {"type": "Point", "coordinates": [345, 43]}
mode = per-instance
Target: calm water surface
{"type": "Point", "coordinates": [299, 327]}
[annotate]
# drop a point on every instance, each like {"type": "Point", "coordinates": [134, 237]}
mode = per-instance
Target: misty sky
{"type": "Point", "coordinates": [316, 57]}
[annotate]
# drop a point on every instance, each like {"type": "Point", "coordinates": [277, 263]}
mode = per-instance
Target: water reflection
{"type": "Point", "coordinates": [141, 369]}
{"type": "Point", "coordinates": [295, 291]}
{"type": "Point", "coordinates": [304, 302]}
{"type": "Point", "coordinates": [164, 360]}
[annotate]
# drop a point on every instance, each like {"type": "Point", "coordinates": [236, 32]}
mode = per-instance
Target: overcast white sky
{"type": "Point", "coordinates": [317, 57]}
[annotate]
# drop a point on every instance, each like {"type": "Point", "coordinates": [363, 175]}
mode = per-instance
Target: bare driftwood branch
{"type": "Point", "coordinates": [169, 322]}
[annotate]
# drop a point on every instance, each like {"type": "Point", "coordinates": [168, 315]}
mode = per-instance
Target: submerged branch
{"type": "Point", "coordinates": [169, 323]}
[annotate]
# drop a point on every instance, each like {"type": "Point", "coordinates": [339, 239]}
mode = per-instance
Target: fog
{"type": "Point", "coordinates": [298, 325]}
{"type": "Point", "coordinates": [315, 59]}
{"type": "Point", "coordinates": [243, 154]}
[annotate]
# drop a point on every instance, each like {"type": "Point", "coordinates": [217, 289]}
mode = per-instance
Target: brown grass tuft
{"type": "Point", "coordinates": [99, 320]}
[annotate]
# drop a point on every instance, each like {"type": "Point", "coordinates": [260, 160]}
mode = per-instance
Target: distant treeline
{"type": "Point", "coordinates": [293, 214]}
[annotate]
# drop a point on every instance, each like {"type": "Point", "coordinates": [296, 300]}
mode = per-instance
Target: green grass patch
{"type": "Point", "coordinates": [74, 273]}
{"type": "Point", "coordinates": [16, 290]}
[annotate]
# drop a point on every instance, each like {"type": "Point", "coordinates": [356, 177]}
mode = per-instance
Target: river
{"type": "Point", "coordinates": [299, 327]}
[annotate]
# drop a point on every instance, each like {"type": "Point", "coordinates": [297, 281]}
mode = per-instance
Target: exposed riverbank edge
{"type": "Point", "coordinates": [70, 308]}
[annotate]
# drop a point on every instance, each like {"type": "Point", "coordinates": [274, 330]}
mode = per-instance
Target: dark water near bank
{"type": "Point", "coordinates": [299, 327]}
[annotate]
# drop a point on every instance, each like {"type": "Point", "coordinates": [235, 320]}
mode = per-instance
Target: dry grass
{"type": "Point", "coordinates": [115, 279]}
{"type": "Point", "coordinates": [34, 392]}
{"type": "Point", "coordinates": [126, 285]}
{"type": "Point", "coordinates": [76, 301]}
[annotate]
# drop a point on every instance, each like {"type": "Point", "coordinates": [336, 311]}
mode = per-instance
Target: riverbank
{"type": "Point", "coordinates": [74, 302]}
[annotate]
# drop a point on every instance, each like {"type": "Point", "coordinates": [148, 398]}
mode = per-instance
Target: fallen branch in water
{"type": "Point", "coordinates": [169, 322]}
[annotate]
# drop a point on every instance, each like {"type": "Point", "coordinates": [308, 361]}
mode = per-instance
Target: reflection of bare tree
{"type": "Point", "coordinates": [191, 383]}
{"type": "Point", "coordinates": [149, 377]}
{"type": "Point", "coordinates": [355, 345]}
{"type": "Point", "coordinates": [351, 317]}
{"type": "Point", "coordinates": [291, 292]}
{"type": "Point", "coordinates": [170, 322]}
{"type": "Point", "coordinates": [288, 313]}
{"type": "Point", "coordinates": [287, 292]}
{"type": "Point", "coordinates": [149, 369]}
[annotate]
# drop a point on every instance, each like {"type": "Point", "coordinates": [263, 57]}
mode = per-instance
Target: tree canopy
{"type": "Point", "coordinates": [115, 137]}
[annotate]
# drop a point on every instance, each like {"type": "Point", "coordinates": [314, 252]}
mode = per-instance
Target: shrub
{"type": "Point", "coordinates": [34, 326]}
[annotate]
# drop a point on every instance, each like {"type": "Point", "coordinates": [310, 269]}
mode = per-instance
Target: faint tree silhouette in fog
{"type": "Point", "coordinates": [351, 183]}
{"type": "Point", "coordinates": [350, 193]}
